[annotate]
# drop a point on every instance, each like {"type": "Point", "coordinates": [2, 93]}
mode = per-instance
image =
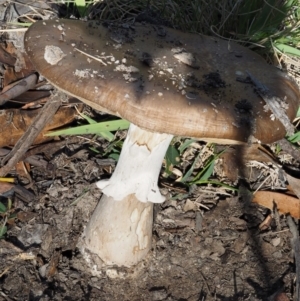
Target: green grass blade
{"type": "Point", "coordinates": [172, 158]}
{"type": "Point", "coordinates": [81, 6]}
{"type": "Point", "coordinates": [106, 135]}
{"type": "Point", "coordinates": [101, 128]}
{"type": "Point", "coordinates": [190, 171]}
{"type": "Point", "coordinates": [185, 145]}
{"type": "Point", "coordinates": [9, 204]}
{"type": "Point", "coordinates": [294, 138]}
{"type": "Point", "coordinates": [88, 119]}
{"type": "Point", "coordinates": [3, 230]}
{"type": "Point", "coordinates": [114, 156]}
{"type": "Point", "coordinates": [208, 172]}
{"type": "Point", "coordinates": [2, 208]}
{"type": "Point", "coordinates": [298, 113]}
{"type": "Point", "coordinates": [287, 49]}
{"type": "Point", "coordinates": [19, 24]}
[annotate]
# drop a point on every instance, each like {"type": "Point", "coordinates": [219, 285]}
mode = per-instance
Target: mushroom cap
{"type": "Point", "coordinates": [163, 80]}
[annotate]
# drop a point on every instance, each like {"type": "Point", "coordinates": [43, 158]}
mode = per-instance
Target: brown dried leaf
{"type": "Point", "coordinates": [294, 184]}
{"type": "Point", "coordinates": [6, 58]}
{"type": "Point", "coordinates": [9, 76]}
{"type": "Point", "coordinates": [258, 153]}
{"type": "Point", "coordinates": [25, 216]}
{"type": "Point", "coordinates": [285, 204]}
{"type": "Point", "coordinates": [23, 66]}
{"type": "Point", "coordinates": [234, 159]}
{"type": "Point", "coordinates": [22, 169]}
{"type": "Point", "coordinates": [14, 123]}
{"type": "Point", "coordinates": [279, 296]}
{"type": "Point", "coordinates": [5, 187]}
{"type": "Point", "coordinates": [52, 268]}
{"type": "Point", "coordinates": [230, 166]}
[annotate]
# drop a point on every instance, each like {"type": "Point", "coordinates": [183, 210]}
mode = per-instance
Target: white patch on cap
{"type": "Point", "coordinates": [53, 54]}
{"type": "Point", "coordinates": [129, 69]}
{"type": "Point", "coordinates": [83, 73]}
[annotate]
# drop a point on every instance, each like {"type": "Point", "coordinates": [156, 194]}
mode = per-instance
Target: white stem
{"type": "Point", "coordinates": [138, 167]}
{"type": "Point", "coordinates": [120, 229]}
{"type": "Point", "coordinates": [120, 233]}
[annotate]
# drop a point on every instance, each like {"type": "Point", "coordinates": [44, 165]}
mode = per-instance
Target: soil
{"type": "Point", "coordinates": [218, 253]}
{"type": "Point", "coordinates": [207, 245]}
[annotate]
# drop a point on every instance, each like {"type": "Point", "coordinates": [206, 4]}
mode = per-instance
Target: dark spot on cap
{"type": "Point", "coordinates": [213, 80]}
{"type": "Point", "coordinates": [146, 59]}
{"type": "Point", "coordinates": [244, 106]}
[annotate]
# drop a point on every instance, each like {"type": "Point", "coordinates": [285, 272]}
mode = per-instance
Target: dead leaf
{"type": "Point", "coordinates": [189, 206]}
{"type": "Point", "coordinates": [14, 123]}
{"type": "Point", "coordinates": [234, 159]}
{"type": "Point", "coordinates": [230, 166]}
{"type": "Point", "coordinates": [5, 187]}
{"type": "Point", "coordinates": [9, 76]}
{"type": "Point", "coordinates": [294, 184]}
{"type": "Point", "coordinates": [52, 268]}
{"type": "Point", "coordinates": [281, 296]}
{"type": "Point", "coordinates": [285, 204]}
{"type": "Point", "coordinates": [22, 169]}
{"type": "Point", "coordinates": [6, 58]}
{"type": "Point", "coordinates": [26, 216]}
{"type": "Point", "coordinates": [22, 68]}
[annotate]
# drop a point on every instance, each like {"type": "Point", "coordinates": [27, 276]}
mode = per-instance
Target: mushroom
{"type": "Point", "coordinates": [166, 83]}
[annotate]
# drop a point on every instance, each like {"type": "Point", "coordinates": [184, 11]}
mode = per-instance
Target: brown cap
{"type": "Point", "coordinates": [163, 80]}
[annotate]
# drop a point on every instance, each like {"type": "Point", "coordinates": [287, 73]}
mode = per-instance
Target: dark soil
{"type": "Point", "coordinates": [216, 254]}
